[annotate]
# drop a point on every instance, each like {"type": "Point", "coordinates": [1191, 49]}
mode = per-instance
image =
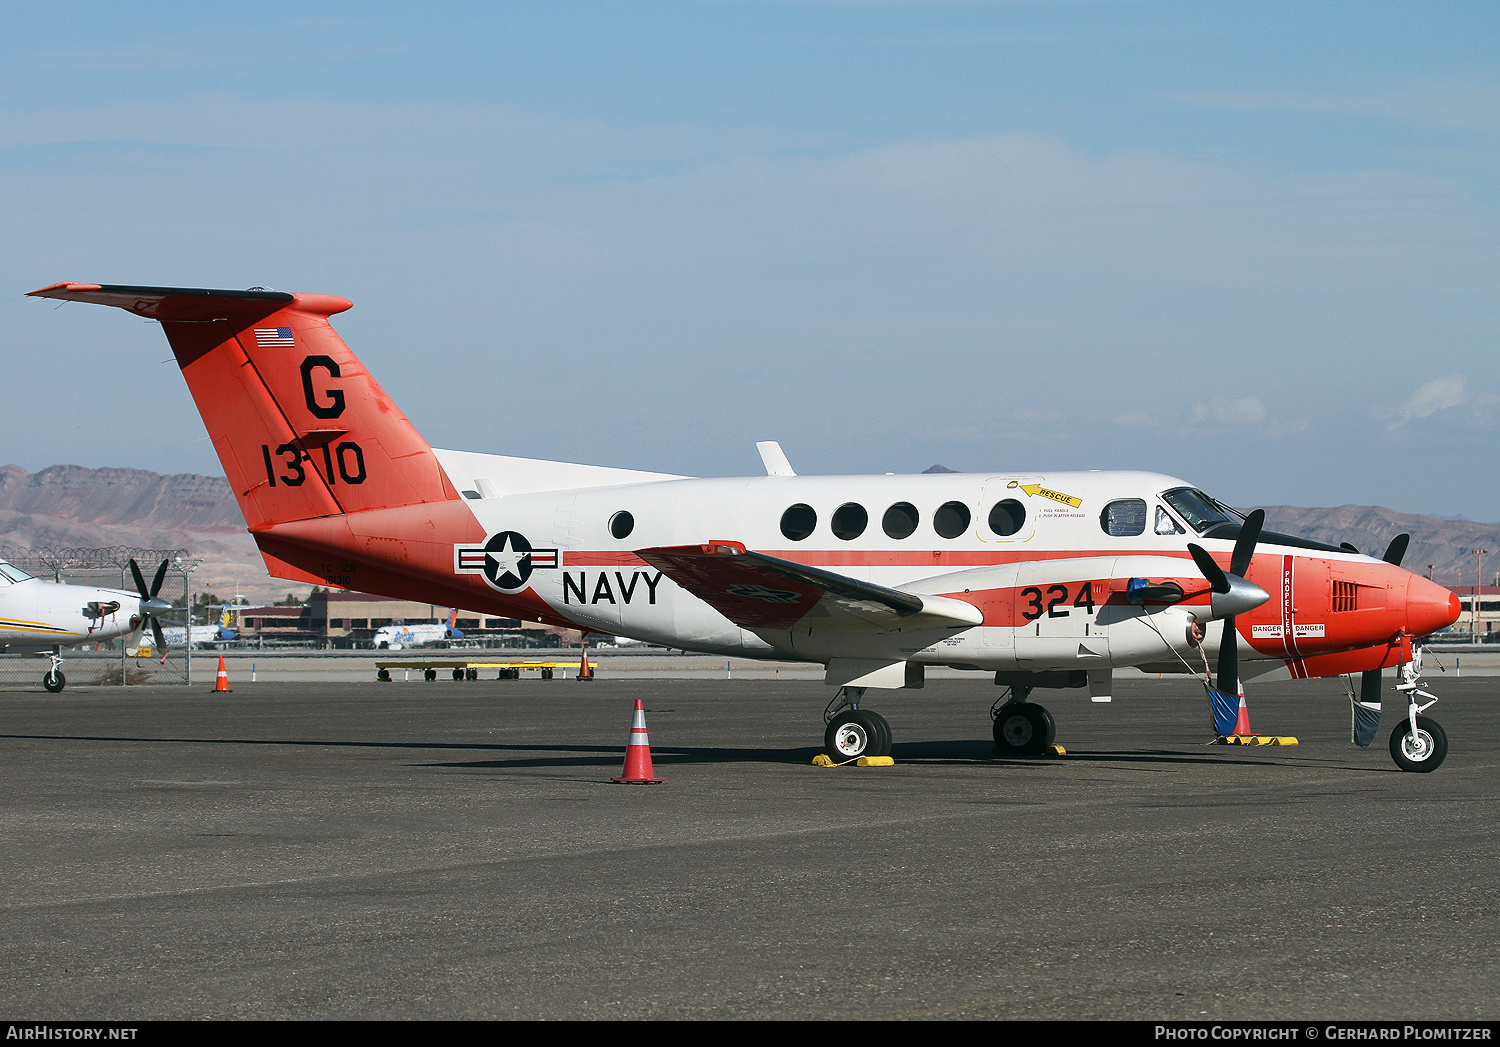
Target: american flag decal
{"type": "Point", "coordinates": [269, 337]}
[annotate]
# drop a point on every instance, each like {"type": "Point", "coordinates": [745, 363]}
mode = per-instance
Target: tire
{"type": "Point", "coordinates": [54, 681]}
{"type": "Point", "coordinates": [1023, 729]}
{"type": "Point", "coordinates": [855, 733]}
{"type": "Point", "coordinates": [883, 746]}
{"type": "Point", "coordinates": [1423, 753]}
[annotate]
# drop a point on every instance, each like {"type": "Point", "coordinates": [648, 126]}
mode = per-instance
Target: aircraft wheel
{"type": "Point", "coordinates": [1420, 752]}
{"type": "Point", "coordinates": [855, 733]}
{"type": "Point", "coordinates": [54, 681]}
{"type": "Point", "coordinates": [1024, 729]}
{"type": "Point", "coordinates": [546, 674]}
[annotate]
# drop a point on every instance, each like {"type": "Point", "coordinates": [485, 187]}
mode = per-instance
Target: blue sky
{"type": "Point", "coordinates": [1254, 245]}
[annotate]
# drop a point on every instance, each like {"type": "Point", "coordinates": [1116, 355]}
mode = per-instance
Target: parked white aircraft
{"type": "Point", "coordinates": [1044, 579]}
{"type": "Point", "coordinates": [396, 637]}
{"type": "Point", "coordinates": [38, 617]}
{"type": "Point", "coordinates": [219, 632]}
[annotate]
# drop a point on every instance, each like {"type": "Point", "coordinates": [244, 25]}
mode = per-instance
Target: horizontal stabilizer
{"type": "Point", "coordinates": [756, 591]}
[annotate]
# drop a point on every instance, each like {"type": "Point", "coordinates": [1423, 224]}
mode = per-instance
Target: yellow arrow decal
{"type": "Point", "coordinates": [1056, 496]}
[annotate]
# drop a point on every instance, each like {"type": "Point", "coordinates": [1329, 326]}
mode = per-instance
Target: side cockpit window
{"type": "Point", "coordinates": [1165, 524]}
{"type": "Point", "coordinates": [10, 573]}
{"type": "Point", "coordinates": [1124, 517]}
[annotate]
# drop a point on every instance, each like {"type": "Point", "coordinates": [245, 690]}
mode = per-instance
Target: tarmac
{"type": "Point", "coordinates": [457, 850]}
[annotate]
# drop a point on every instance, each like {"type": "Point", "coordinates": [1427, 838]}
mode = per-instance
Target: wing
{"type": "Point", "coordinates": [756, 591]}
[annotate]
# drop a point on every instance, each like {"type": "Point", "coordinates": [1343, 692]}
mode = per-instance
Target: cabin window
{"type": "Point", "coordinates": [1007, 517]}
{"type": "Point", "coordinates": [1165, 524]}
{"type": "Point", "coordinates": [799, 521]}
{"type": "Point", "coordinates": [1124, 517]}
{"type": "Point", "coordinates": [621, 524]}
{"type": "Point", "coordinates": [951, 519]}
{"type": "Point", "coordinates": [849, 521]}
{"type": "Point", "coordinates": [900, 520]}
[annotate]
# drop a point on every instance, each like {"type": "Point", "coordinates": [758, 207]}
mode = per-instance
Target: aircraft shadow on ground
{"type": "Point", "coordinates": [965, 752]}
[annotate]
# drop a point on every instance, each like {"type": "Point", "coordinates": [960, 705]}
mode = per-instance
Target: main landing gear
{"type": "Point", "coordinates": [853, 732]}
{"type": "Point", "coordinates": [54, 680]}
{"type": "Point", "coordinates": [1022, 728]}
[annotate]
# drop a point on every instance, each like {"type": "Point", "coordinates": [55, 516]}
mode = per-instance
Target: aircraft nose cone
{"type": "Point", "coordinates": [1429, 607]}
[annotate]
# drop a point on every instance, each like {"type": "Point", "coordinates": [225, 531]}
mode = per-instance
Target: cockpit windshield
{"type": "Point", "coordinates": [10, 573]}
{"type": "Point", "coordinates": [1199, 510]}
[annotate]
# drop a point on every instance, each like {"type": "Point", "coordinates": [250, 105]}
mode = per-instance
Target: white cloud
{"type": "Point", "coordinates": [1221, 412]}
{"type": "Point", "coordinates": [1437, 395]}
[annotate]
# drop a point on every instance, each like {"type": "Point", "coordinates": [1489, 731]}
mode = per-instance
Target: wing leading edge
{"type": "Point", "coordinates": [756, 591]}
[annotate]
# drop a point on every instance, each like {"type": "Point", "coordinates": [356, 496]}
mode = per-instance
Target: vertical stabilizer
{"type": "Point", "coordinates": [301, 428]}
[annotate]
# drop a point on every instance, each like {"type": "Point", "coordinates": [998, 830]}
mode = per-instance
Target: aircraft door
{"type": "Point", "coordinates": [1004, 518]}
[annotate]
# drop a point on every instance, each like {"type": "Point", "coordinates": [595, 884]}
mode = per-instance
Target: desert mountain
{"type": "Point", "coordinates": [70, 506]}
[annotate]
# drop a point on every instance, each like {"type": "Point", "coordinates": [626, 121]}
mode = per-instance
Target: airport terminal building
{"type": "Point", "coordinates": [347, 619]}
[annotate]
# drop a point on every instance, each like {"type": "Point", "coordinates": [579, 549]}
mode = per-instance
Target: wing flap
{"type": "Point", "coordinates": [756, 591]}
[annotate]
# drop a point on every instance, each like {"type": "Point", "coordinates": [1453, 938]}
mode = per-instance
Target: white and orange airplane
{"type": "Point", "coordinates": [1044, 579]}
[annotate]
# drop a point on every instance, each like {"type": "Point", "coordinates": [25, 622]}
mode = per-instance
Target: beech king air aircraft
{"type": "Point", "coordinates": [1044, 579]}
{"type": "Point", "coordinates": [38, 617]}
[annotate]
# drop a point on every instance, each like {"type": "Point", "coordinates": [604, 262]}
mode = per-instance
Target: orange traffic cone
{"type": "Point", "coordinates": [585, 670]}
{"type": "Point", "coordinates": [1242, 724]}
{"type": "Point", "coordinates": [638, 753]}
{"type": "Point", "coordinates": [222, 683]}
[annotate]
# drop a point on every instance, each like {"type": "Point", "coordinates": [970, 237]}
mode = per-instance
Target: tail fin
{"type": "Point", "coordinates": [301, 428]}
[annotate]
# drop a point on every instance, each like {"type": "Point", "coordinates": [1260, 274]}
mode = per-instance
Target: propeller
{"type": "Point", "coordinates": [151, 607]}
{"type": "Point", "coordinates": [1227, 678]}
{"type": "Point", "coordinates": [1367, 712]}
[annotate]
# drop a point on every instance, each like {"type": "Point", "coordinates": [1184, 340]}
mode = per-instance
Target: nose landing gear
{"type": "Point", "coordinates": [1418, 743]}
{"type": "Point", "coordinates": [53, 679]}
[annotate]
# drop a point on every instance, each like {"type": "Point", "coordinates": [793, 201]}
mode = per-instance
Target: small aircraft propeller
{"type": "Point", "coordinates": [1367, 713]}
{"type": "Point", "coordinates": [1227, 678]}
{"type": "Point", "coordinates": [151, 607]}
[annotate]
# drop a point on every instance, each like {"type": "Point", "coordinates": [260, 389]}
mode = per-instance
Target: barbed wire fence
{"type": "Point", "coordinates": [113, 663]}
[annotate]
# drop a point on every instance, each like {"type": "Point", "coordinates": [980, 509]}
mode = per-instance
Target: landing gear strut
{"type": "Point", "coordinates": [1022, 728]}
{"type": "Point", "coordinates": [853, 732]}
{"type": "Point", "coordinates": [1418, 742]}
{"type": "Point", "coordinates": [54, 680]}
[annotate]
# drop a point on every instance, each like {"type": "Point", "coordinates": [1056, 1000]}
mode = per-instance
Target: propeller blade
{"type": "Point", "coordinates": [1227, 679]}
{"type": "Point", "coordinates": [140, 581]}
{"type": "Point", "coordinates": [1211, 570]}
{"type": "Point", "coordinates": [156, 634]}
{"type": "Point", "coordinates": [1366, 719]}
{"type": "Point", "coordinates": [161, 573]}
{"type": "Point", "coordinates": [1347, 547]}
{"type": "Point", "coordinates": [1244, 545]}
{"type": "Point", "coordinates": [1396, 551]}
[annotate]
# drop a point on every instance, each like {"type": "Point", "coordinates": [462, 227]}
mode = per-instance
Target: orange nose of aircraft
{"type": "Point", "coordinates": [1429, 607]}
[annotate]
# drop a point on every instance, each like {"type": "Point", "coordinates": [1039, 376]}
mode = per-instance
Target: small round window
{"type": "Point", "coordinates": [799, 521]}
{"type": "Point", "coordinates": [1124, 518]}
{"type": "Point", "coordinates": [951, 519]}
{"type": "Point", "coordinates": [621, 524]}
{"type": "Point", "coordinates": [900, 520]}
{"type": "Point", "coordinates": [849, 521]}
{"type": "Point", "coordinates": [1007, 517]}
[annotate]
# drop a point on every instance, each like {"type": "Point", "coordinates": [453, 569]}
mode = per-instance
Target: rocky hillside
{"type": "Point", "coordinates": [1439, 543]}
{"type": "Point", "coordinates": [68, 505]}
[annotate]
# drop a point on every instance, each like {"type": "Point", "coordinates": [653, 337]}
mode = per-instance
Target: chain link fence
{"type": "Point", "coordinates": [116, 662]}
